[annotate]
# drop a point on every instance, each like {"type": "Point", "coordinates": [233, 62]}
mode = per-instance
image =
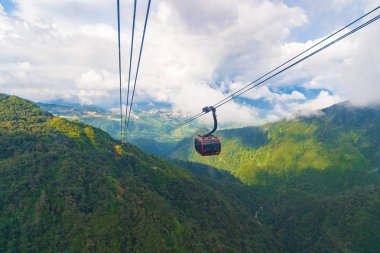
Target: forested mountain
{"type": "Point", "coordinates": [318, 177]}
{"type": "Point", "coordinates": [68, 187]}
{"type": "Point", "coordinates": [335, 150]}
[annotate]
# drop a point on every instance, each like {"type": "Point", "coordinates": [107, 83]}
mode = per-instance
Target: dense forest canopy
{"type": "Point", "coordinates": [66, 186]}
{"type": "Point", "coordinates": [337, 150]}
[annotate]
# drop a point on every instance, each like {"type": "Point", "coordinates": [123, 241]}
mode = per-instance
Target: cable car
{"type": "Point", "coordinates": [208, 144]}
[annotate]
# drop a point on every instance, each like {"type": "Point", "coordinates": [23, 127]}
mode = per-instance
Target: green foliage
{"type": "Point", "coordinates": [331, 146]}
{"type": "Point", "coordinates": [316, 179]}
{"type": "Point", "coordinates": [17, 114]}
{"type": "Point", "coordinates": [158, 148]}
{"type": "Point", "coordinates": [89, 131]}
{"type": "Point", "coordinates": [67, 187]}
{"type": "Point", "coordinates": [345, 222]}
{"type": "Point", "coordinates": [119, 150]}
{"type": "Point", "coordinates": [69, 129]}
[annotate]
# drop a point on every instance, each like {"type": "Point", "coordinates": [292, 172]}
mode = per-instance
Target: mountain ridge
{"type": "Point", "coordinates": [343, 139]}
{"type": "Point", "coordinates": [63, 188]}
{"type": "Point", "coordinates": [68, 187]}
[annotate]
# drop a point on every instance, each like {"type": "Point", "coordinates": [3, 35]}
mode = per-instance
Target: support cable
{"type": "Point", "coordinates": [270, 72]}
{"type": "Point", "coordinates": [247, 88]}
{"type": "Point", "coordinates": [303, 52]}
{"type": "Point", "coordinates": [138, 65]}
{"type": "Point", "coordinates": [130, 65]}
{"type": "Point", "coordinates": [120, 91]}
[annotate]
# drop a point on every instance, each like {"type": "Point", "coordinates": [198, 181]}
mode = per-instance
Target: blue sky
{"type": "Point", "coordinates": [321, 20]}
{"type": "Point", "coordinates": [196, 52]}
{"type": "Point", "coordinates": [8, 5]}
{"type": "Point", "coordinates": [324, 17]}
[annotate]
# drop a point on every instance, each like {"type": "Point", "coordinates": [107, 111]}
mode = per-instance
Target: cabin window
{"type": "Point", "coordinates": [198, 145]}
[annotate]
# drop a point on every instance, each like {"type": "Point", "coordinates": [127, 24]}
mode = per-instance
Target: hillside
{"type": "Point", "coordinates": [329, 152]}
{"type": "Point", "coordinates": [317, 177]}
{"type": "Point", "coordinates": [68, 187]}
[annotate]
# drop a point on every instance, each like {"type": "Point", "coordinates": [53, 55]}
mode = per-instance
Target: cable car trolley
{"type": "Point", "coordinates": [208, 144]}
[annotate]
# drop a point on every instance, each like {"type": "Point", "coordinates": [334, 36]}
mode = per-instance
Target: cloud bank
{"type": "Point", "coordinates": [195, 53]}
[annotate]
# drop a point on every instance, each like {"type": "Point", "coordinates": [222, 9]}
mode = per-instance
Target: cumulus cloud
{"type": "Point", "coordinates": [195, 53]}
{"type": "Point", "coordinates": [323, 100]}
{"type": "Point", "coordinates": [263, 92]}
{"type": "Point", "coordinates": [295, 104]}
{"type": "Point", "coordinates": [194, 48]}
{"type": "Point", "coordinates": [351, 69]}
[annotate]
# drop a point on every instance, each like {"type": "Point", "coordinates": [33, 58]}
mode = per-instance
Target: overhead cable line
{"type": "Point", "coordinates": [138, 65]}
{"type": "Point", "coordinates": [189, 120]}
{"type": "Point", "coordinates": [270, 72]}
{"type": "Point", "coordinates": [306, 57]}
{"type": "Point", "coordinates": [303, 52]}
{"type": "Point", "coordinates": [130, 65]}
{"type": "Point", "coordinates": [120, 91]}
{"type": "Point", "coordinates": [244, 89]}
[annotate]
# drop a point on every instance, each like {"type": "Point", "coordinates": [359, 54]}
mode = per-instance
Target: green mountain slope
{"type": "Point", "coordinates": [332, 152]}
{"type": "Point", "coordinates": [344, 222]}
{"type": "Point", "coordinates": [68, 187]}
{"type": "Point", "coordinates": [316, 178]}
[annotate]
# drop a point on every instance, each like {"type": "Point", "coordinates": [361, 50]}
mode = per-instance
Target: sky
{"type": "Point", "coordinates": [195, 53]}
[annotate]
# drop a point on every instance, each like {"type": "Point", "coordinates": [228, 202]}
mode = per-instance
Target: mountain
{"type": "Point", "coordinates": [316, 178]}
{"type": "Point", "coordinates": [337, 150]}
{"type": "Point", "coordinates": [68, 187]}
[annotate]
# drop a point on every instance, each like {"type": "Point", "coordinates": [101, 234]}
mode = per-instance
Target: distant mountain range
{"type": "Point", "coordinates": [147, 124]}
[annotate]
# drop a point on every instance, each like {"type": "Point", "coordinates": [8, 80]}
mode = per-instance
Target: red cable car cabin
{"type": "Point", "coordinates": [208, 144]}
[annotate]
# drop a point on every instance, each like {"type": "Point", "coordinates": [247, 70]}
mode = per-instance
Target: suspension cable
{"type": "Point", "coordinates": [306, 57]}
{"type": "Point", "coordinates": [189, 120]}
{"type": "Point", "coordinates": [303, 52]}
{"type": "Point", "coordinates": [120, 91]}
{"type": "Point", "coordinates": [138, 65]}
{"type": "Point", "coordinates": [130, 65]}
{"type": "Point", "coordinates": [244, 90]}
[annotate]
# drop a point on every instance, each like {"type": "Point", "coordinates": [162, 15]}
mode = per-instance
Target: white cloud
{"type": "Point", "coordinates": [295, 108]}
{"type": "Point", "coordinates": [263, 92]}
{"type": "Point", "coordinates": [187, 52]}
{"type": "Point", "coordinates": [350, 69]}
{"type": "Point", "coordinates": [102, 31]}
{"type": "Point", "coordinates": [195, 51]}
{"type": "Point", "coordinates": [323, 100]}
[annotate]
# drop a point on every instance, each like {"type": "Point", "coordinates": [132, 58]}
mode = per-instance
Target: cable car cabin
{"type": "Point", "coordinates": [207, 146]}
